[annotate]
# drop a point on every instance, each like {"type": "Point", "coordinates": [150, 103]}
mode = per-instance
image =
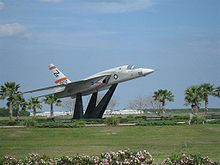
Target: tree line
{"type": "Point", "coordinates": [194, 96]}
{"type": "Point", "coordinates": [15, 100]}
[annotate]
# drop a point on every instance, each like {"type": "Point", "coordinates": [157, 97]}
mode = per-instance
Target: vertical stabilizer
{"type": "Point", "coordinates": [60, 78]}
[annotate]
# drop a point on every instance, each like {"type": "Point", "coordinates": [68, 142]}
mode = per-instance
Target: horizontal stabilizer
{"type": "Point", "coordinates": [44, 95]}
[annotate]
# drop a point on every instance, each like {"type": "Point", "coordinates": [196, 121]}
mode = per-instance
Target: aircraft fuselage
{"type": "Point", "coordinates": [104, 80]}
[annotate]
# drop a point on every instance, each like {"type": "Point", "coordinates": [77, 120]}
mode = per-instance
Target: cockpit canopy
{"type": "Point", "coordinates": [131, 67]}
{"type": "Point", "coordinates": [127, 67]}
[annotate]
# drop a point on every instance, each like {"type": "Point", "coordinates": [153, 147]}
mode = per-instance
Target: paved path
{"type": "Point", "coordinates": [12, 126]}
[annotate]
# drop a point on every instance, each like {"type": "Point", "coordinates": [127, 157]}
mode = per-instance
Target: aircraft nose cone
{"type": "Point", "coordinates": [147, 71]}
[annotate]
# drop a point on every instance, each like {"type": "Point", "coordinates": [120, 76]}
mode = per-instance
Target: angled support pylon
{"type": "Point", "coordinates": [78, 111]}
{"type": "Point", "coordinates": [93, 111]}
{"type": "Point", "coordinates": [91, 106]}
{"type": "Point", "coordinates": [101, 107]}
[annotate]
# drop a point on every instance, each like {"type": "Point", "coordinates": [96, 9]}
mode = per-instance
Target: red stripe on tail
{"type": "Point", "coordinates": [60, 80]}
{"type": "Point", "coordinates": [52, 67]}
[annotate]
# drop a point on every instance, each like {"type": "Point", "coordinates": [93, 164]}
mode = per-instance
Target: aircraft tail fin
{"type": "Point", "coordinates": [60, 78]}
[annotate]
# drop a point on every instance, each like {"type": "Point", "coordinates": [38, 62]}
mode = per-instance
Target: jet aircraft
{"type": "Point", "coordinates": [107, 79]}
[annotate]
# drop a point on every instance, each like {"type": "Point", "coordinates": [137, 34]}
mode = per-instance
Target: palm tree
{"type": "Point", "coordinates": [19, 103]}
{"type": "Point", "coordinates": [51, 100]}
{"type": "Point", "coordinates": [162, 96]}
{"type": "Point", "coordinates": [217, 92]}
{"type": "Point", "coordinates": [193, 97]}
{"type": "Point", "coordinates": [7, 91]}
{"type": "Point", "coordinates": [206, 90]}
{"type": "Point", "coordinates": [34, 104]}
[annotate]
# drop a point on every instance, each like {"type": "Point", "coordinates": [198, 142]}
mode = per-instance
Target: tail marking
{"type": "Point", "coordinates": [60, 78]}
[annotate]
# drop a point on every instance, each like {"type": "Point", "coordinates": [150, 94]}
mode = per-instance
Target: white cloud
{"type": "Point", "coordinates": [14, 29]}
{"type": "Point", "coordinates": [2, 5]}
{"type": "Point", "coordinates": [118, 6]}
{"type": "Point", "coordinates": [51, 1]}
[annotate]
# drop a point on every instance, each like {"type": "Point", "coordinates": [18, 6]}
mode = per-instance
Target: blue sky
{"type": "Point", "coordinates": [180, 38]}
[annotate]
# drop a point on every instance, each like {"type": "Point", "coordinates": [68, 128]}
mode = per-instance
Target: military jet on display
{"type": "Point", "coordinates": [107, 79]}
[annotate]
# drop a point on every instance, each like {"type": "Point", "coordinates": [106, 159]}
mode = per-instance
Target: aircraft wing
{"type": "Point", "coordinates": [72, 85]}
{"type": "Point", "coordinates": [42, 89]}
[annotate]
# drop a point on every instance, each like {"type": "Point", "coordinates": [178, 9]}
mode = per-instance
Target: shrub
{"type": "Point", "coordinates": [130, 119]}
{"type": "Point", "coordinates": [112, 121]}
{"type": "Point", "coordinates": [34, 158]}
{"type": "Point", "coordinates": [3, 122]}
{"type": "Point", "coordinates": [94, 121]}
{"type": "Point", "coordinates": [126, 157]}
{"type": "Point", "coordinates": [12, 123]}
{"type": "Point", "coordinates": [29, 122]}
{"type": "Point", "coordinates": [4, 112]}
{"type": "Point", "coordinates": [78, 160]}
{"type": "Point", "coordinates": [157, 123]}
{"type": "Point", "coordinates": [186, 159]}
{"type": "Point", "coordinates": [198, 120]}
{"type": "Point", "coordinates": [79, 123]}
{"type": "Point", "coordinates": [75, 124]}
{"type": "Point", "coordinates": [213, 122]}
{"type": "Point", "coordinates": [183, 117]}
{"type": "Point", "coordinates": [9, 160]}
{"type": "Point", "coordinates": [24, 113]}
{"type": "Point", "coordinates": [124, 120]}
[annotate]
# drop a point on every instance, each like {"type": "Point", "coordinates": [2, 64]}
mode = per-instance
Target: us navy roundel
{"type": "Point", "coordinates": [115, 76]}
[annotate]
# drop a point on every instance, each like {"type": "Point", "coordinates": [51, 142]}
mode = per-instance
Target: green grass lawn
{"type": "Point", "coordinates": [161, 141]}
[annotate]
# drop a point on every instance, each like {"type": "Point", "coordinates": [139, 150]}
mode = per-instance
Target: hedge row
{"type": "Point", "coordinates": [125, 157]}
{"type": "Point", "coordinates": [112, 121]}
